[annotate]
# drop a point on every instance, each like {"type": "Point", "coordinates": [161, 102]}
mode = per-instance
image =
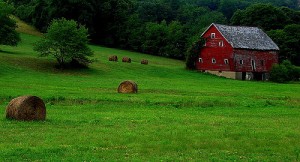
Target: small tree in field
{"type": "Point", "coordinates": [66, 41]}
{"type": "Point", "coordinates": [8, 34]}
{"type": "Point", "coordinates": [193, 53]}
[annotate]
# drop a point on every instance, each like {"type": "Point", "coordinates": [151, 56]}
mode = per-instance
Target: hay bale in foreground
{"type": "Point", "coordinates": [128, 87]}
{"type": "Point", "coordinates": [145, 62]}
{"type": "Point", "coordinates": [26, 108]}
{"type": "Point", "coordinates": [126, 59]}
{"type": "Point", "coordinates": [113, 58]}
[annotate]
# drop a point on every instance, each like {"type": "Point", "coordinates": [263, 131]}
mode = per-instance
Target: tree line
{"type": "Point", "coordinates": [167, 27]}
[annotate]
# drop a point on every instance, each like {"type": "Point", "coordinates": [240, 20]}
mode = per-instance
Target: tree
{"type": "Point", "coordinates": [154, 11]}
{"type": "Point", "coordinates": [164, 39]}
{"type": "Point", "coordinates": [288, 40]}
{"type": "Point", "coordinates": [193, 53]}
{"type": "Point", "coordinates": [228, 7]}
{"type": "Point", "coordinates": [8, 33]}
{"type": "Point", "coordinates": [264, 16]}
{"type": "Point", "coordinates": [66, 41]}
{"type": "Point", "coordinates": [292, 42]}
{"type": "Point", "coordinates": [175, 39]}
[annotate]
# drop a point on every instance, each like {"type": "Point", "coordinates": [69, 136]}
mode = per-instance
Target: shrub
{"type": "Point", "coordinates": [193, 53]}
{"type": "Point", "coordinates": [284, 72]}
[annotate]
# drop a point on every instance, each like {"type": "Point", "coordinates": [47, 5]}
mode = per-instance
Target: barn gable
{"type": "Point", "coordinates": [247, 37]}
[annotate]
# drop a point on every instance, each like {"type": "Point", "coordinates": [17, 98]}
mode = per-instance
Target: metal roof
{"type": "Point", "coordinates": [246, 37]}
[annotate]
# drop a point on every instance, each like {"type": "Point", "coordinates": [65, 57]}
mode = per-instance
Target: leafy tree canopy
{"type": "Point", "coordinates": [132, 24]}
{"type": "Point", "coordinates": [8, 34]}
{"type": "Point", "coordinates": [264, 16]}
{"type": "Point", "coordinates": [288, 40]}
{"type": "Point", "coordinates": [66, 41]}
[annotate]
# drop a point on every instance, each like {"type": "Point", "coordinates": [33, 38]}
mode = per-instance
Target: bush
{"type": "Point", "coordinates": [66, 41]}
{"type": "Point", "coordinates": [193, 53]}
{"type": "Point", "coordinates": [284, 72]}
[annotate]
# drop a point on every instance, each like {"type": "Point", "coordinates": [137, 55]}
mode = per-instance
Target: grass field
{"type": "Point", "coordinates": [177, 115]}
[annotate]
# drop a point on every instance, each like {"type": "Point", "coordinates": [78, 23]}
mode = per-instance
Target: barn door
{"type": "Point", "coordinates": [253, 65]}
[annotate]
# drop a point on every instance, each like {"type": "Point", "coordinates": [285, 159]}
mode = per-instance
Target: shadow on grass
{"type": "Point", "coordinates": [10, 52]}
{"type": "Point", "coordinates": [47, 66]}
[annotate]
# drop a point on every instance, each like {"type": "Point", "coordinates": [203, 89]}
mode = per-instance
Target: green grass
{"type": "Point", "coordinates": [177, 115]}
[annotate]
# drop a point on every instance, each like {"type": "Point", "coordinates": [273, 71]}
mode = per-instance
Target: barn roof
{"type": "Point", "coordinates": [246, 37]}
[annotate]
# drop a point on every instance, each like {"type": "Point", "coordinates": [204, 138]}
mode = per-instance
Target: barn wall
{"type": "Point", "coordinates": [227, 74]}
{"type": "Point", "coordinates": [213, 50]}
{"type": "Point", "coordinates": [263, 60]}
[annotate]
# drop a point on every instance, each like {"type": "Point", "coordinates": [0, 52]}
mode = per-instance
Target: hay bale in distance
{"type": "Point", "coordinates": [26, 108]}
{"type": "Point", "coordinates": [126, 59]}
{"type": "Point", "coordinates": [128, 86]}
{"type": "Point", "coordinates": [113, 58]}
{"type": "Point", "coordinates": [145, 62]}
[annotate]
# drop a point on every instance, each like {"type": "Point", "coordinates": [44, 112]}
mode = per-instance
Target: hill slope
{"type": "Point", "coordinates": [23, 27]}
{"type": "Point", "coordinates": [177, 114]}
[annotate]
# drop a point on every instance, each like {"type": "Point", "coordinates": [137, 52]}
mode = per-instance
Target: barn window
{"type": "Point", "coordinates": [213, 61]}
{"type": "Point", "coordinates": [241, 62]}
{"type": "Point", "coordinates": [213, 35]}
{"type": "Point", "coordinates": [200, 60]}
{"type": "Point", "coordinates": [221, 44]}
{"type": "Point", "coordinates": [226, 61]}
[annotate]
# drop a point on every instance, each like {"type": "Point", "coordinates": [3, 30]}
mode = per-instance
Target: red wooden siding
{"type": "Point", "coordinates": [218, 51]}
{"type": "Point", "coordinates": [263, 60]}
{"type": "Point", "coordinates": [213, 50]}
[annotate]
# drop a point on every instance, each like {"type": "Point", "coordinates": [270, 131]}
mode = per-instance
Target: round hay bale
{"type": "Point", "coordinates": [26, 108]}
{"type": "Point", "coordinates": [128, 86]}
{"type": "Point", "coordinates": [126, 59]}
{"type": "Point", "coordinates": [113, 58]}
{"type": "Point", "coordinates": [145, 62]}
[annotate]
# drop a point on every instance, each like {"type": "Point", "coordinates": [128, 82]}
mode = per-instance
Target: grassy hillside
{"type": "Point", "coordinates": [177, 114]}
{"type": "Point", "coordinates": [23, 27]}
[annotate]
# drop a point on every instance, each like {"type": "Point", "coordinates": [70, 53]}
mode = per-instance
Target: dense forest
{"type": "Point", "coordinates": [167, 27]}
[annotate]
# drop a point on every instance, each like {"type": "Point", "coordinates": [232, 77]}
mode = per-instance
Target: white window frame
{"type": "Point", "coordinates": [226, 61]}
{"type": "Point", "coordinates": [200, 60]}
{"type": "Point", "coordinates": [213, 35]}
{"type": "Point", "coordinates": [241, 62]}
{"type": "Point", "coordinates": [213, 60]}
{"type": "Point", "coordinates": [221, 44]}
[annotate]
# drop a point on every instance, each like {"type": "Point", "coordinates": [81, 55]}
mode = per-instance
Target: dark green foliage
{"type": "Point", "coordinates": [193, 53]}
{"type": "Point", "coordinates": [164, 40]}
{"type": "Point", "coordinates": [264, 16]}
{"type": "Point", "coordinates": [228, 7]}
{"type": "Point", "coordinates": [132, 24]}
{"type": "Point", "coordinates": [154, 11]}
{"type": "Point", "coordinates": [293, 15]}
{"type": "Point", "coordinates": [67, 42]}
{"type": "Point", "coordinates": [288, 40]}
{"type": "Point", "coordinates": [284, 72]}
{"type": "Point", "coordinates": [8, 34]}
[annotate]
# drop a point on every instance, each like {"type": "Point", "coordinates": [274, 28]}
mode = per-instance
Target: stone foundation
{"type": "Point", "coordinates": [240, 75]}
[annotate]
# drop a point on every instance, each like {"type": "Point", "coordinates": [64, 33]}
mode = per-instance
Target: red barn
{"type": "Point", "coordinates": [237, 52]}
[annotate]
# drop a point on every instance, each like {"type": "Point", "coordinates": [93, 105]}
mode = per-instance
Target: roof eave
{"type": "Point", "coordinates": [257, 49]}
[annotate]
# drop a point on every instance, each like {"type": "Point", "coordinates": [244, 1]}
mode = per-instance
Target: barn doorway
{"type": "Point", "coordinates": [243, 75]}
{"type": "Point", "coordinates": [253, 65]}
{"type": "Point", "coordinates": [258, 76]}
